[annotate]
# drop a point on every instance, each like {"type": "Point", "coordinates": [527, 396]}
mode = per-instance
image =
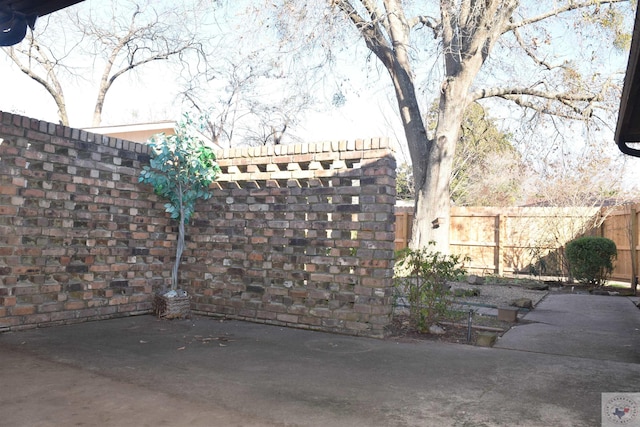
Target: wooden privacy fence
{"type": "Point", "coordinates": [531, 240]}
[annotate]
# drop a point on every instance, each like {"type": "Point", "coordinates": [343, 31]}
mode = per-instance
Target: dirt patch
{"type": "Point", "coordinates": [499, 295]}
{"type": "Point", "coordinates": [456, 332]}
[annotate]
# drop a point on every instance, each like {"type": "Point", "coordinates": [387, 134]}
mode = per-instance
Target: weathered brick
{"type": "Point", "coordinates": [288, 318]}
{"type": "Point", "coordinates": [11, 322]}
{"type": "Point", "coordinates": [362, 308]}
{"type": "Point", "coordinates": [22, 310]}
{"type": "Point", "coordinates": [37, 318]}
{"type": "Point", "coordinates": [50, 307]}
{"type": "Point", "coordinates": [118, 299]}
{"type": "Point", "coordinates": [75, 305]}
{"type": "Point", "coordinates": [284, 227]}
{"type": "Point", "coordinates": [63, 315]}
{"type": "Point", "coordinates": [107, 293]}
{"type": "Point", "coordinates": [8, 300]}
{"type": "Point", "coordinates": [26, 290]}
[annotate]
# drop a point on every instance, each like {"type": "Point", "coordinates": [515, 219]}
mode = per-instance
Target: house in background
{"type": "Point", "coordinates": [140, 132]}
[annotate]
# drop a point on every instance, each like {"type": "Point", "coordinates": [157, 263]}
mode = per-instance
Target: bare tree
{"type": "Point", "coordinates": [274, 117]}
{"type": "Point", "coordinates": [119, 38]}
{"type": "Point", "coordinates": [491, 49]}
{"type": "Point", "coordinates": [43, 64]}
{"type": "Point", "coordinates": [243, 102]}
{"type": "Point", "coordinates": [251, 94]}
{"type": "Point", "coordinates": [216, 94]}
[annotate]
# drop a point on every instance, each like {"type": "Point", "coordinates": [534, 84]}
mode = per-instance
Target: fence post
{"type": "Point", "coordinates": [633, 244]}
{"type": "Point", "coordinates": [497, 254]}
{"type": "Point", "coordinates": [405, 229]}
{"type": "Point", "coordinates": [403, 224]}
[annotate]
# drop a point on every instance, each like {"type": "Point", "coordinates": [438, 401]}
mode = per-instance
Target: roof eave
{"type": "Point", "coordinates": [628, 126]}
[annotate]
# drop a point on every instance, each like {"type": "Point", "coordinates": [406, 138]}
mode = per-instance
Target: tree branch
{"type": "Point", "coordinates": [426, 21]}
{"type": "Point", "coordinates": [370, 31]}
{"type": "Point", "coordinates": [53, 87]}
{"type": "Point", "coordinates": [570, 6]}
{"type": "Point", "coordinates": [158, 57]}
{"type": "Point", "coordinates": [375, 14]}
{"type": "Point", "coordinates": [576, 113]}
{"type": "Point", "coordinates": [347, 8]}
{"type": "Point", "coordinates": [551, 95]}
{"type": "Point", "coordinates": [530, 53]}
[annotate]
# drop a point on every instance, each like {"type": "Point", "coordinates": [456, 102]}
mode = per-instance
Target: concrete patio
{"type": "Point", "coordinates": [206, 372]}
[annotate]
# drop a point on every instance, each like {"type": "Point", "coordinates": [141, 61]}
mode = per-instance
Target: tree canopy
{"type": "Point", "coordinates": [118, 38]}
{"type": "Point", "coordinates": [552, 60]}
{"type": "Point", "coordinates": [202, 55]}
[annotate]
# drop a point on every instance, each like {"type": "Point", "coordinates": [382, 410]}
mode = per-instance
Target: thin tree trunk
{"type": "Point", "coordinates": [97, 112]}
{"type": "Point", "coordinates": [105, 84]}
{"type": "Point", "coordinates": [180, 243]}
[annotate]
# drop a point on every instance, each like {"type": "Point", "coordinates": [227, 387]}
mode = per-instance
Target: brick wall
{"type": "Point", "coordinates": [79, 238]}
{"type": "Point", "coordinates": [294, 235]}
{"type": "Point", "coordinates": [299, 235]}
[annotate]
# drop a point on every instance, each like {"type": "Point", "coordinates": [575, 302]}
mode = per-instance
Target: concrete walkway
{"type": "Point", "coordinates": [581, 325]}
{"type": "Point", "coordinates": [140, 371]}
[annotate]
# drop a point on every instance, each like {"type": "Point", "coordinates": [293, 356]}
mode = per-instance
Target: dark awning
{"type": "Point", "coordinates": [17, 15]}
{"type": "Point", "coordinates": [628, 129]}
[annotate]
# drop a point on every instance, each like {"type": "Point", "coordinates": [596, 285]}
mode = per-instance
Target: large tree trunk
{"type": "Point", "coordinates": [432, 160]}
{"type": "Point", "coordinates": [469, 32]}
{"type": "Point", "coordinates": [432, 205]}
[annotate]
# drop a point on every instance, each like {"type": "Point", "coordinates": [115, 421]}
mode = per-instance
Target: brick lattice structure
{"type": "Point", "coordinates": [294, 235]}
{"type": "Point", "coordinates": [299, 235]}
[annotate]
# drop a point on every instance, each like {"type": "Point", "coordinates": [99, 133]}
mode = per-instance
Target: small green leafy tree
{"type": "Point", "coordinates": [181, 169]}
{"type": "Point", "coordinates": [422, 276]}
{"type": "Point", "coordinates": [591, 259]}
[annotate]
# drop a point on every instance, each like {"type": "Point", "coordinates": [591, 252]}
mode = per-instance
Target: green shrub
{"type": "Point", "coordinates": [421, 277]}
{"type": "Point", "coordinates": [591, 259]}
